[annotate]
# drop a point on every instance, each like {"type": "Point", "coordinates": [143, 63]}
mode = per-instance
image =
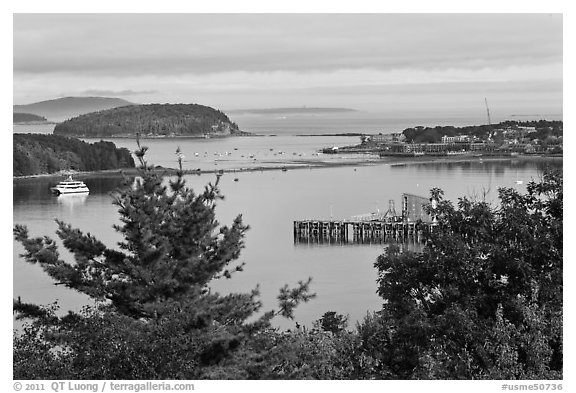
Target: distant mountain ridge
{"type": "Point", "coordinates": [65, 108]}
{"type": "Point", "coordinates": [151, 120]}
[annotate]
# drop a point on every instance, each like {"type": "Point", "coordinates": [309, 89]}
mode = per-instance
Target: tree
{"type": "Point", "coordinates": [332, 322]}
{"type": "Point", "coordinates": [156, 316]}
{"type": "Point", "coordinates": [37, 153]}
{"type": "Point", "coordinates": [484, 298]}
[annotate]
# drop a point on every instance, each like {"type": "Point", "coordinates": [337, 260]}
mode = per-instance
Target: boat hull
{"type": "Point", "coordinates": [61, 191]}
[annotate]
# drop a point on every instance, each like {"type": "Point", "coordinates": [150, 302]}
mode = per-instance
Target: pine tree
{"type": "Point", "coordinates": [153, 287]}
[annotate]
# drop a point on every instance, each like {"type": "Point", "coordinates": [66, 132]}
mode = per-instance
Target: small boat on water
{"type": "Point", "coordinates": [70, 186]}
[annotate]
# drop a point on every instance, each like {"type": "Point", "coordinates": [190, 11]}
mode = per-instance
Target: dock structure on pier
{"type": "Point", "coordinates": [373, 227]}
{"type": "Point", "coordinates": [358, 231]}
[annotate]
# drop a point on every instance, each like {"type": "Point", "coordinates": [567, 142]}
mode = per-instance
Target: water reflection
{"type": "Point", "coordinates": [487, 166]}
{"type": "Point", "coordinates": [270, 201]}
{"type": "Point", "coordinates": [26, 191]}
{"type": "Point", "coordinates": [72, 201]}
{"type": "Point", "coordinates": [410, 243]}
{"type": "Point", "coordinates": [37, 190]}
{"type": "Point", "coordinates": [105, 185]}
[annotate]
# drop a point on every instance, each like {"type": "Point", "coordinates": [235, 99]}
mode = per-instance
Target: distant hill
{"type": "Point", "coordinates": [35, 154]}
{"type": "Point", "coordinates": [290, 111]}
{"type": "Point", "coordinates": [153, 120]}
{"type": "Point", "coordinates": [65, 108]}
{"type": "Point", "coordinates": [27, 118]}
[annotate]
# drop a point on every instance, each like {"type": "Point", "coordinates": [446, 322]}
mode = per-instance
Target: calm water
{"type": "Point", "coordinates": [33, 128]}
{"type": "Point", "coordinates": [343, 276]}
{"type": "Point", "coordinates": [360, 121]}
{"type": "Point", "coordinates": [241, 153]}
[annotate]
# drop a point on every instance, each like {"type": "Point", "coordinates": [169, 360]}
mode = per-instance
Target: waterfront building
{"type": "Point", "coordinates": [456, 139]}
{"type": "Point", "coordinates": [387, 138]}
{"type": "Point", "coordinates": [413, 208]}
{"type": "Point", "coordinates": [478, 146]}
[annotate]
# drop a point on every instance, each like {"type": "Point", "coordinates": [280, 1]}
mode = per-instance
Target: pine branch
{"type": "Point", "coordinates": [289, 299]}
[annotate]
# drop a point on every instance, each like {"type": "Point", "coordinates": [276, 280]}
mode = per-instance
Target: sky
{"type": "Point", "coordinates": [387, 63]}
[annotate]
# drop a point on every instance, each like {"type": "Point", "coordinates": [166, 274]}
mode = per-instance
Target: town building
{"type": "Point", "coordinates": [387, 138]}
{"type": "Point", "coordinates": [413, 208]}
{"type": "Point", "coordinates": [456, 139]}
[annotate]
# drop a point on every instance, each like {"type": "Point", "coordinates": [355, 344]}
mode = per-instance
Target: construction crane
{"type": "Point", "coordinates": [487, 111]}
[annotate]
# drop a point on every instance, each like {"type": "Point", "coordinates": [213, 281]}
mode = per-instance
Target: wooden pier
{"type": "Point", "coordinates": [410, 225]}
{"type": "Point", "coordinates": [359, 231]}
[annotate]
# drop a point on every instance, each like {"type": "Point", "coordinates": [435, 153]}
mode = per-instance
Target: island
{"type": "Point", "coordinates": [64, 108]}
{"type": "Point", "coordinates": [41, 154]}
{"type": "Point", "coordinates": [28, 118]}
{"type": "Point", "coordinates": [151, 120]}
{"type": "Point", "coordinates": [508, 138]}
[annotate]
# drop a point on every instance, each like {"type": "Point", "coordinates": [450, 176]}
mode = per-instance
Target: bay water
{"type": "Point", "coordinates": [343, 276]}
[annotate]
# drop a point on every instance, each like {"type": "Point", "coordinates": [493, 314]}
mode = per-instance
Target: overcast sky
{"type": "Point", "coordinates": [392, 63]}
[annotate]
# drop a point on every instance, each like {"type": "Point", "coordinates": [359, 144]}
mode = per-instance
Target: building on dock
{"type": "Point", "coordinates": [413, 208]}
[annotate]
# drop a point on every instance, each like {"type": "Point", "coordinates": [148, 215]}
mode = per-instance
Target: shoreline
{"type": "Point", "coordinates": [34, 123]}
{"type": "Point", "coordinates": [144, 137]}
{"type": "Point", "coordinates": [290, 165]}
{"type": "Point", "coordinates": [246, 134]}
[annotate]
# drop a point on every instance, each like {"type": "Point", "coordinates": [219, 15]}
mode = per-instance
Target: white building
{"type": "Point", "coordinates": [455, 139]}
{"type": "Point", "coordinates": [386, 138]}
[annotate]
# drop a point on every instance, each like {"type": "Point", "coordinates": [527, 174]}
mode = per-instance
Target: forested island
{"type": "Point", "coordinates": [27, 118]}
{"type": "Point", "coordinates": [152, 120]}
{"type": "Point", "coordinates": [35, 154]}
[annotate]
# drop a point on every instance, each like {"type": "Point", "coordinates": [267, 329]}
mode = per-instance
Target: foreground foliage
{"type": "Point", "coordinates": [156, 315]}
{"type": "Point", "coordinates": [482, 301]}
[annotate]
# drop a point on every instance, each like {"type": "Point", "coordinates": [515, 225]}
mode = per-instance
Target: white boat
{"type": "Point", "coordinates": [70, 186]}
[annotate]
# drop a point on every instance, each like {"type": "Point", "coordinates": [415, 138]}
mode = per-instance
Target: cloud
{"type": "Point", "coordinates": [240, 60]}
{"type": "Point", "coordinates": [169, 44]}
{"type": "Point", "coordinates": [115, 93]}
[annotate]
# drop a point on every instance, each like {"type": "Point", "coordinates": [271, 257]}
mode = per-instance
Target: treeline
{"type": "Point", "coordinates": [152, 120]}
{"type": "Point", "coordinates": [35, 154]}
{"type": "Point", "coordinates": [544, 128]}
{"type": "Point", "coordinates": [483, 300]}
{"type": "Point", "coordinates": [26, 118]}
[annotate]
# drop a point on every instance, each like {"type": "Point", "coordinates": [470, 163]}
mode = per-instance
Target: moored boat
{"type": "Point", "coordinates": [70, 186]}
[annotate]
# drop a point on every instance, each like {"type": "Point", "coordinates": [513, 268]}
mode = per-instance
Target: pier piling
{"type": "Point", "coordinates": [360, 230]}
